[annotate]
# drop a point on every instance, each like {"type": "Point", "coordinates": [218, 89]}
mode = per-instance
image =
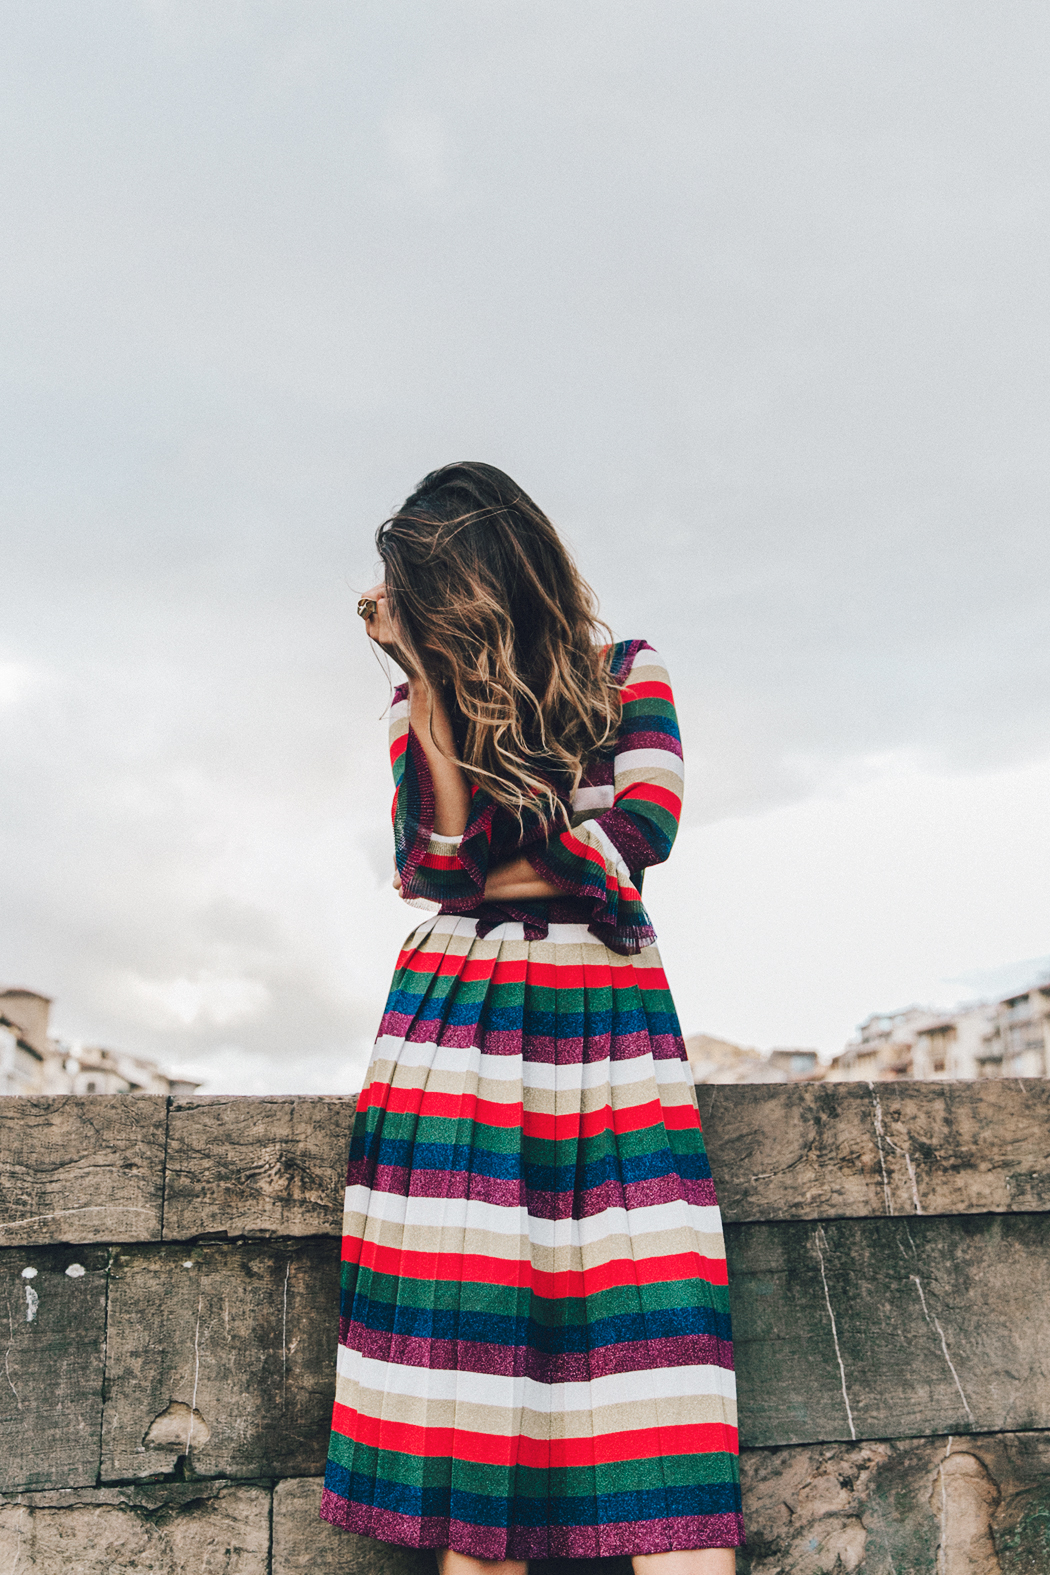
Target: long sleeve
{"type": "Point", "coordinates": [447, 870]}
{"type": "Point", "coordinates": [601, 857]}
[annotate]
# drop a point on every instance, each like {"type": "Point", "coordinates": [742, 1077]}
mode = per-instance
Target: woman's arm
{"type": "Point", "coordinates": [431, 728]}
{"type": "Point", "coordinates": [596, 858]}
{"type": "Point", "coordinates": [430, 722]}
{"type": "Point", "coordinates": [514, 881]}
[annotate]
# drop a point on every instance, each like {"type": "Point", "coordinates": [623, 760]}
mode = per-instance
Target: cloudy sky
{"type": "Point", "coordinates": [751, 296]}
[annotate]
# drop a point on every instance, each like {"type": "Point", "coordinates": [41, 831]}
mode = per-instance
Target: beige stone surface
{"type": "Point", "coordinates": [831, 1150]}
{"type": "Point", "coordinates": [256, 1167]}
{"type": "Point", "coordinates": [52, 1340]}
{"type": "Point", "coordinates": [81, 1170]}
{"type": "Point", "coordinates": [181, 1529]}
{"type": "Point", "coordinates": [224, 1353]}
{"type": "Point", "coordinates": [978, 1505]}
{"type": "Point", "coordinates": [890, 1328]}
{"type": "Point", "coordinates": [304, 1544]}
{"type": "Point", "coordinates": [94, 1169]}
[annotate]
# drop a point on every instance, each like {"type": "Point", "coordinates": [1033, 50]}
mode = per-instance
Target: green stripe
{"type": "Point", "coordinates": [647, 705]}
{"type": "Point", "coordinates": [407, 1127]}
{"type": "Point", "coordinates": [492, 1481]}
{"type": "Point", "coordinates": [558, 1312]}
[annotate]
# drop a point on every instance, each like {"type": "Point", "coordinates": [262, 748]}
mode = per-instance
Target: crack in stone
{"type": "Point", "coordinates": [880, 1135]}
{"type": "Point", "coordinates": [85, 1208]}
{"type": "Point", "coordinates": [821, 1241]}
{"type": "Point", "coordinates": [7, 1353]}
{"type": "Point", "coordinates": [196, 1375]}
{"type": "Point", "coordinates": [935, 1323]}
{"type": "Point", "coordinates": [877, 1103]}
{"type": "Point", "coordinates": [284, 1339]}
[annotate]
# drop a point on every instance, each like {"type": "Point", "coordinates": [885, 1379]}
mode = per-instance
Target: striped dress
{"type": "Point", "coordinates": [535, 1356]}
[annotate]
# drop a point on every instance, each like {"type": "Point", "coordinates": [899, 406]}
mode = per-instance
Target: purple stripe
{"type": "Point", "coordinates": [626, 838]}
{"type": "Point", "coordinates": [544, 1049]}
{"type": "Point", "coordinates": [657, 740]}
{"type": "Point", "coordinates": [404, 1181]}
{"type": "Point", "coordinates": [624, 1538]}
{"type": "Point", "coordinates": [545, 1367]}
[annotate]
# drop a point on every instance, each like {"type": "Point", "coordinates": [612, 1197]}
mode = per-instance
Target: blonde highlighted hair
{"type": "Point", "coordinates": [492, 610]}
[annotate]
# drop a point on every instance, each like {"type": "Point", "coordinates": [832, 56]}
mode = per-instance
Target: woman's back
{"type": "Point", "coordinates": [535, 1350]}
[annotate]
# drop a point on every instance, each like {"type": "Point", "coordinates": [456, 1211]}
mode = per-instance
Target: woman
{"type": "Point", "coordinates": [535, 1356]}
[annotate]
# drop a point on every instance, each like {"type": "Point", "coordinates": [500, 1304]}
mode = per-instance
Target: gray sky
{"type": "Point", "coordinates": [752, 299]}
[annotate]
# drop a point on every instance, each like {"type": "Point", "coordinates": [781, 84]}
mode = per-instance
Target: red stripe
{"type": "Point", "coordinates": [398, 747]}
{"type": "Point", "coordinates": [582, 850]}
{"type": "Point", "coordinates": [650, 793]}
{"type": "Point", "coordinates": [380, 1095]}
{"type": "Point", "coordinates": [479, 1269]}
{"type": "Point", "coordinates": [489, 1449]}
{"type": "Point", "coordinates": [653, 689]}
{"type": "Point", "coordinates": [440, 861]}
{"type": "Point", "coordinates": [548, 976]}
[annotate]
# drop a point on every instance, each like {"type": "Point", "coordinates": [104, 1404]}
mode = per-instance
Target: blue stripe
{"type": "Point", "coordinates": [443, 1499]}
{"type": "Point", "coordinates": [691, 1317]}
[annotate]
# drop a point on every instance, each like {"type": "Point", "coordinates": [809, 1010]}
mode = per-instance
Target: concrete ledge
{"type": "Point", "coordinates": [917, 1506]}
{"type": "Point", "coordinates": [170, 1269]}
{"type": "Point", "coordinates": [858, 1150]}
{"type": "Point", "coordinates": [122, 1168]}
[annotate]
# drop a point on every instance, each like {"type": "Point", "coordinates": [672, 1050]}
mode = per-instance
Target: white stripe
{"type": "Point", "coordinates": [592, 830]}
{"type": "Point", "coordinates": [646, 659]}
{"type": "Point", "coordinates": [640, 759]}
{"type": "Point", "coordinates": [532, 1074]}
{"type": "Point", "coordinates": [510, 1393]}
{"type": "Point", "coordinates": [473, 1214]}
{"type": "Point", "coordinates": [593, 798]}
{"type": "Point", "coordinates": [464, 1059]}
{"type": "Point", "coordinates": [459, 924]}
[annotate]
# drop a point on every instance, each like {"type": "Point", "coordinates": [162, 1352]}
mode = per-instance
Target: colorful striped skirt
{"type": "Point", "coordinates": [535, 1356]}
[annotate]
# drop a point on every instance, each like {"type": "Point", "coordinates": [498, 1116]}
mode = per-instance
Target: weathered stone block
{"type": "Point", "coordinates": [52, 1326]}
{"type": "Point", "coordinates": [890, 1328]}
{"type": "Point", "coordinates": [81, 1170]}
{"type": "Point", "coordinates": [304, 1544]}
{"type": "Point", "coordinates": [223, 1353]}
{"type": "Point", "coordinates": [176, 1529]}
{"type": "Point", "coordinates": [833, 1150]}
{"type": "Point", "coordinates": [256, 1167]}
{"type": "Point", "coordinates": [925, 1506]}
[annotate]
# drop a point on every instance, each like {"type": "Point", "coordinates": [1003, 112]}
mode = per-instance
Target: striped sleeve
{"type": "Point", "coordinates": [601, 859]}
{"type": "Point", "coordinates": [448, 870]}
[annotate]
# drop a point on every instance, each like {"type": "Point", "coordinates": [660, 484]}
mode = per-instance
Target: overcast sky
{"type": "Point", "coordinates": [751, 297]}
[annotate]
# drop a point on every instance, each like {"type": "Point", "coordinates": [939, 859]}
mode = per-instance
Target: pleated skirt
{"type": "Point", "coordinates": [535, 1354]}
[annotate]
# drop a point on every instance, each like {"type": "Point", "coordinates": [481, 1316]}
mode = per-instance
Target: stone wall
{"type": "Point", "coordinates": [169, 1274]}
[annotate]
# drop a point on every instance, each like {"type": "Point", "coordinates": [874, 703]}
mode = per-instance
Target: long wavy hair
{"type": "Point", "coordinates": [491, 607]}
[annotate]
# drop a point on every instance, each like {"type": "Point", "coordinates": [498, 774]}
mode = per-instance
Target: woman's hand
{"type": "Point", "coordinates": [518, 882]}
{"type": "Point", "coordinates": [383, 631]}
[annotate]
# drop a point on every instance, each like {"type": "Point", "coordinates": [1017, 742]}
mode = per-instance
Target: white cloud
{"type": "Point", "coordinates": [767, 343]}
{"type": "Point", "coordinates": [15, 681]}
{"type": "Point", "coordinates": [204, 1000]}
{"type": "Point", "coordinates": [896, 887]}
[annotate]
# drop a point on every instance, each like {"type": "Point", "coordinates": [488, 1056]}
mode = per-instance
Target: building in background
{"type": "Point", "coordinates": [958, 1044]}
{"type": "Point", "coordinates": [883, 1048]}
{"type": "Point", "coordinates": [720, 1061]}
{"type": "Point", "coordinates": [798, 1066]}
{"type": "Point", "coordinates": [1021, 1043]}
{"type": "Point", "coordinates": [1009, 1037]}
{"type": "Point", "coordinates": [32, 1062]}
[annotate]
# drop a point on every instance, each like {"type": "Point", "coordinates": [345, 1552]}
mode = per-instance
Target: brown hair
{"type": "Point", "coordinates": [491, 607]}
